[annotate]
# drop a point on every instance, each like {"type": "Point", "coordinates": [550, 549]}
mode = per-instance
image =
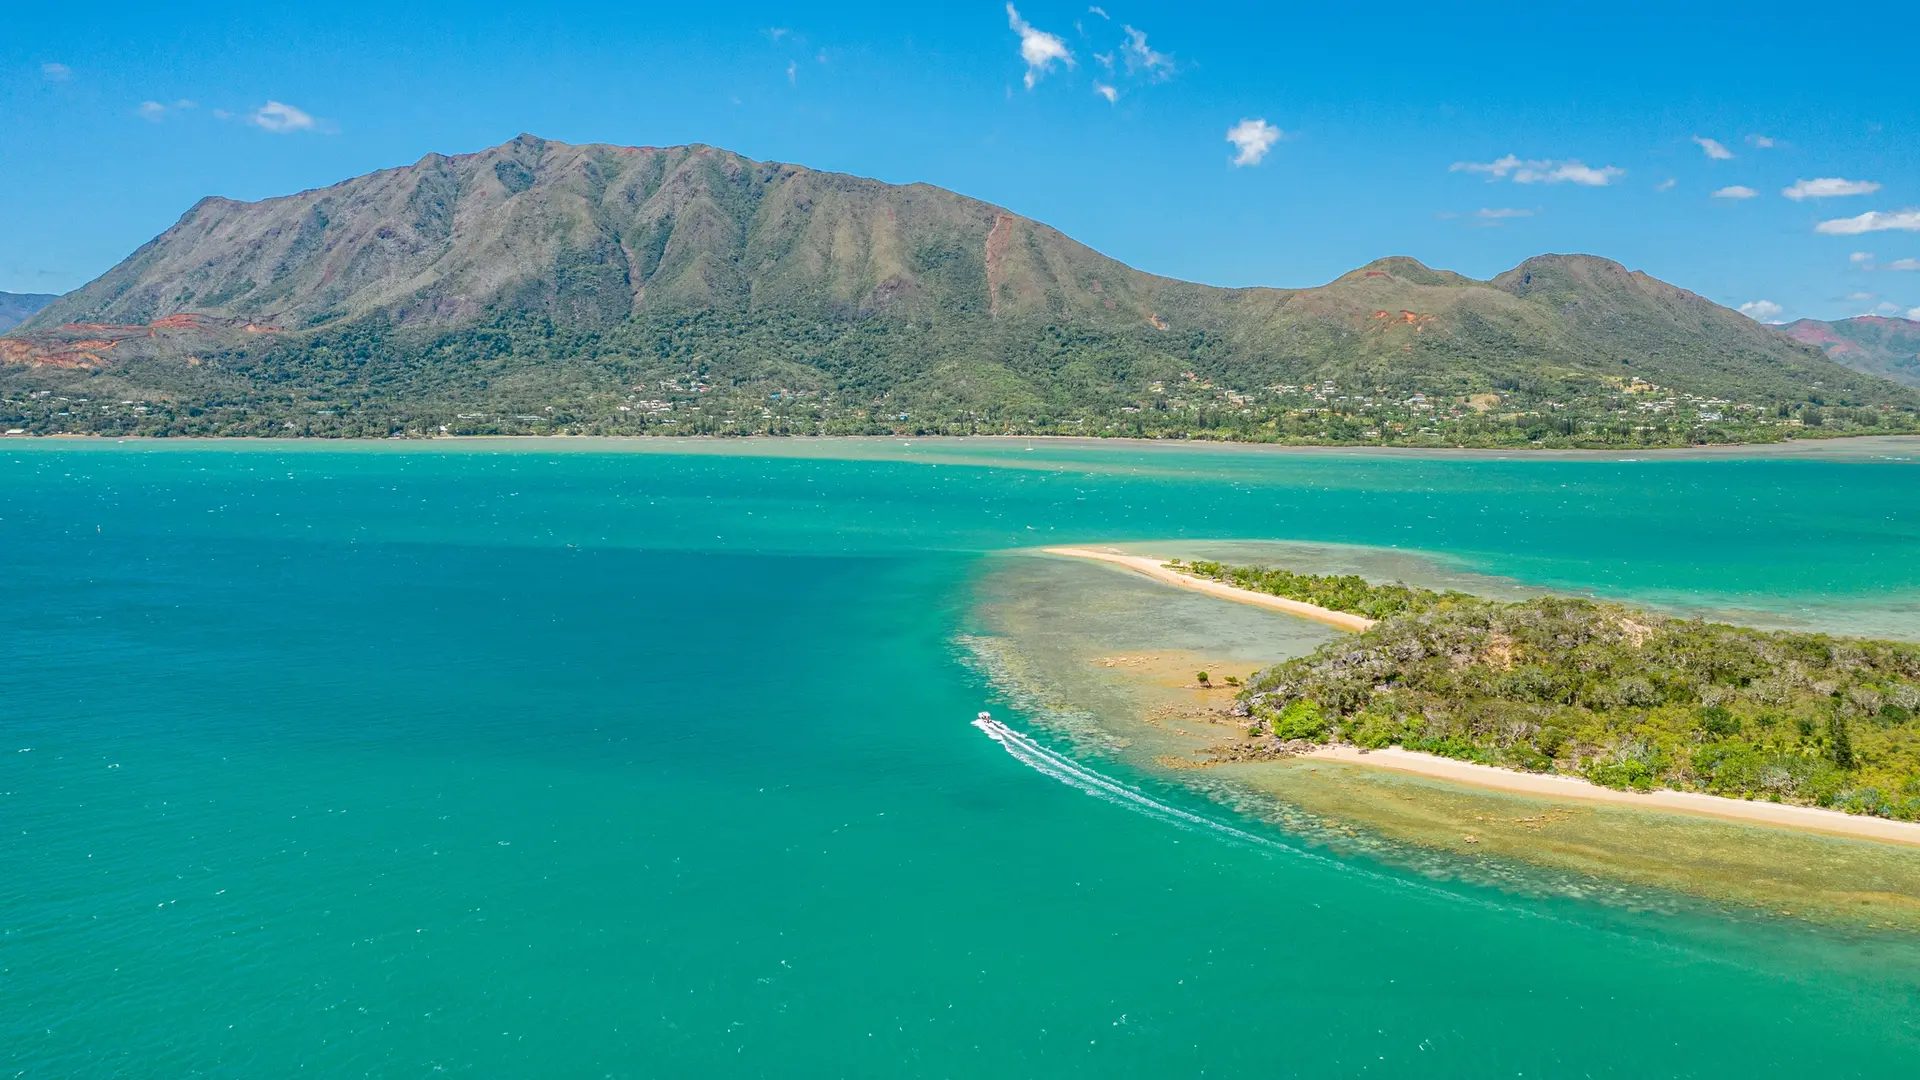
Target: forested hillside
{"type": "Point", "coordinates": [542, 287]}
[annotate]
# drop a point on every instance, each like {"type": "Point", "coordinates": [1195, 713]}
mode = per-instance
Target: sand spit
{"type": "Point", "coordinates": [1156, 569]}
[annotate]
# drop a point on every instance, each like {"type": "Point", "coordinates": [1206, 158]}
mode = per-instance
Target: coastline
{"type": "Point", "coordinates": [1512, 781]}
{"type": "Point", "coordinates": [1153, 568]}
{"type": "Point", "coordinates": [1900, 449]}
{"type": "Point", "coordinates": [1693, 803]}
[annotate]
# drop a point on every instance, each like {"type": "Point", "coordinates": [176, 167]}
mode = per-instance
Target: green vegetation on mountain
{"type": "Point", "coordinates": [538, 287]}
{"type": "Point", "coordinates": [1625, 698]}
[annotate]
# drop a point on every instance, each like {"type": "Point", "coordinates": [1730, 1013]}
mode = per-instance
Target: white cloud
{"type": "Point", "coordinates": [280, 119]}
{"type": "Point", "coordinates": [1862, 297]}
{"type": "Point", "coordinates": [1872, 221]}
{"type": "Point", "coordinates": [1736, 191]}
{"type": "Point", "coordinates": [1761, 142]}
{"type": "Point", "coordinates": [1038, 48]}
{"type": "Point", "coordinates": [1142, 60]}
{"type": "Point", "coordinates": [56, 72]}
{"type": "Point", "coordinates": [1541, 172]}
{"type": "Point", "coordinates": [1886, 307]}
{"type": "Point", "coordinates": [793, 71]}
{"type": "Point", "coordinates": [1665, 185]}
{"type": "Point", "coordinates": [1828, 188]}
{"type": "Point", "coordinates": [1495, 169]}
{"type": "Point", "coordinates": [1901, 264]}
{"type": "Point", "coordinates": [1860, 257]}
{"type": "Point", "coordinates": [1713, 148]}
{"type": "Point", "coordinates": [155, 112]}
{"type": "Point", "coordinates": [1765, 311]}
{"type": "Point", "coordinates": [1576, 172]}
{"type": "Point", "coordinates": [1102, 12]}
{"type": "Point", "coordinates": [1112, 95]}
{"type": "Point", "coordinates": [1914, 314]}
{"type": "Point", "coordinates": [1253, 138]}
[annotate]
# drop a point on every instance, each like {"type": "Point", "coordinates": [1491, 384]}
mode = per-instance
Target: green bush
{"type": "Point", "coordinates": [1451, 746]}
{"type": "Point", "coordinates": [1732, 768]}
{"type": "Point", "coordinates": [1867, 800]}
{"type": "Point", "coordinates": [1526, 758]}
{"type": "Point", "coordinates": [1373, 731]}
{"type": "Point", "coordinates": [1301, 720]}
{"type": "Point", "coordinates": [1719, 722]}
{"type": "Point", "coordinates": [1628, 775]}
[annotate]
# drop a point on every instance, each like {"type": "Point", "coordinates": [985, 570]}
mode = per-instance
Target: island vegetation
{"type": "Point", "coordinates": [1342, 592]}
{"type": "Point", "coordinates": [1626, 698]}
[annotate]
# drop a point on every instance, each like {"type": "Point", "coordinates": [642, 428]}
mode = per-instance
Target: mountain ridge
{"type": "Point", "coordinates": [16, 308]}
{"type": "Point", "coordinates": [1881, 345]}
{"type": "Point", "coordinates": [454, 276]}
{"type": "Point", "coordinates": [403, 257]}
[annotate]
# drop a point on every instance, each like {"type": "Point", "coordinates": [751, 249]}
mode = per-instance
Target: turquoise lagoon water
{"type": "Point", "coordinates": [610, 761]}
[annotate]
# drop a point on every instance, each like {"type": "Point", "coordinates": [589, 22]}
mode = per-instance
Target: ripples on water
{"type": "Point", "coordinates": [547, 760]}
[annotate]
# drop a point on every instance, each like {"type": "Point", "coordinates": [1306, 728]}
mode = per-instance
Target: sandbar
{"type": "Point", "coordinates": [1513, 781]}
{"type": "Point", "coordinates": [1157, 570]}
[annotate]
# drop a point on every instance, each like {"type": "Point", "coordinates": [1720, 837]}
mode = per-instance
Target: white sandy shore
{"type": "Point", "coordinates": [1811, 818]}
{"type": "Point", "coordinates": [1156, 569]}
{"type": "Point", "coordinates": [1806, 818]}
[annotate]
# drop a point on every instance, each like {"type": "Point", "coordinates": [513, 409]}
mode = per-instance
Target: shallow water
{"type": "Point", "coordinates": [518, 761]}
{"type": "Point", "coordinates": [1108, 660]}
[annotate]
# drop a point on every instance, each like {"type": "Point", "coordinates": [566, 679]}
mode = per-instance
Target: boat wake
{"type": "Point", "coordinates": [1058, 766]}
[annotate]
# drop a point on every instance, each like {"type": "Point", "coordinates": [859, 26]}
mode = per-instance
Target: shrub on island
{"type": "Point", "coordinates": [1625, 698]}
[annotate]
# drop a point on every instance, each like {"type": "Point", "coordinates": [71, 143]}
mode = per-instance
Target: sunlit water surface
{"type": "Point", "coordinates": [587, 760]}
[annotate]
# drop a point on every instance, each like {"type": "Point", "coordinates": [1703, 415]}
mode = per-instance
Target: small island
{"type": "Point", "coordinates": [1563, 693]}
{"type": "Point", "coordinates": [1624, 698]}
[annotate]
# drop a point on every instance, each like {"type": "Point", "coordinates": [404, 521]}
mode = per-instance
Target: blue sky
{"type": "Point", "coordinates": [1470, 136]}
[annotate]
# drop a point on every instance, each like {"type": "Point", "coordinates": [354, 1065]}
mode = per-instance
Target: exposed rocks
{"type": "Point", "coordinates": [1264, 748]}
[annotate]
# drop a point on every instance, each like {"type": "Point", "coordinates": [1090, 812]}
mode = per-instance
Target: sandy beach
{"type": "Point", "coordinates": [1156, 569]}
{"type": "Point", "coordinates": [1781, 815]}
{"type": "Point", "coordinates": [1807, 818]}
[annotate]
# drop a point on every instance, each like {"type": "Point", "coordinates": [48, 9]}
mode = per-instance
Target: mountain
{"type": "Point", "coordinates": [1888, 348]}
{"type": "Point", "coordinates": [15, 307]}
{"type": "Point", "coordinates": [540, 286]}
{"type": "Point", "coordinates": [592, 235]}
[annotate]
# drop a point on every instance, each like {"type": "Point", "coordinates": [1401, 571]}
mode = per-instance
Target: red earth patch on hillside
{"type": "Point", "coordinates": [90, 346]}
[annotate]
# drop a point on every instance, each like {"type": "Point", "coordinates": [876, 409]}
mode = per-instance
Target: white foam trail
{"type": "Point", "coordinates": [1060, 767]}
